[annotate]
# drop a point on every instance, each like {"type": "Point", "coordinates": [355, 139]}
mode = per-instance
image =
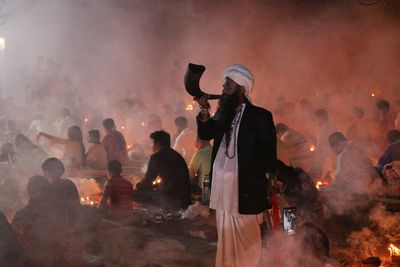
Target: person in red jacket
{"type": "Point", "coordinates": [114, 143]}
{"type": "Point", "coordinates": [118, 190]}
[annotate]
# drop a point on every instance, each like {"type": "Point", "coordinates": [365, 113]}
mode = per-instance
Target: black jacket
{"type": "Point", "coordinates": [256, 152]}
{"type": "Point", "coordinates": [170, 166]}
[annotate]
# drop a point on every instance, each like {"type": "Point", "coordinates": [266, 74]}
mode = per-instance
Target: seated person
{"type": "Point", "coordinates": [200, 165]}
{"type": "Point", "coordinates": [392, 152]}
{"type": "Point", "coordinates": [355, 174]}
{"type": "Point", "coordinates": [29, 155]}
{"type": "Point", "coordinates": [64, 189]}
{"type": "Point", "coordinates": [297, 145]}
{"type": "Point", "coordinates": [118, 190]}
{"type": "Point", "coordinates": [315, 247]}
{"type": "Point", "coordinates": [166, 182]}
{"type": "Point", "coordinates": [96, 157]}
{"type": "Point", "coordinates": [43, 229]}
{"type": "Point", "coordinates": [114, 143]}
{"type": "Point", "coordinates": [185, 139]}
{"type": "Point", "coordinates": [7, 153]}
{"type": "Point", "coordinates": [74, 150]}
{"type": "Point", "coordinates": [11, 254]}
{"type": "Point", "coordinates": [298, 187]}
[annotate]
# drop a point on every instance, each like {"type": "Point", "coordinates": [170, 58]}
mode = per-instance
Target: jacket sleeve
{"type": "Point", "coordinates": [206, 129]}
{"type": "Point", "coordinates": [151, 174]}
{"type": "Point", "coordinates": [267, 137]}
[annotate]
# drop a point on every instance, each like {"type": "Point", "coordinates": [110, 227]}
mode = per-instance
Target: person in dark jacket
{"type": "Point", "coordinates": [11, 252]}
{"type": "Point", "coordinates": [166, 182]}
{"type": "Point", "coordinates": [64, 189]}
{"type": "Point", "coordinates": [244, 153]}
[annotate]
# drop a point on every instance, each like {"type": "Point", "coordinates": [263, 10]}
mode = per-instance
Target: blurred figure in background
{"type": "Point", "coordinates": [185, 139]}
{"type": "Point", "coordinates": [297, 145]}
{"type": "Point", "coordinates": [358, 133]}
{"type": "Point", "coordinates": [392, 152]}
{"type": "Point", "coordinates": [384, 122]}
{"type": "Point", "coordinates": [65, 121]}
{"type": "Point", "coordinates": [11, 131]}
{"type": "Point", "coordinates": [96, 157]}
{"type": "Point", "coordinates": [200, 165]}
{"type": "Point", "coordinates": [397, 121]}
{"type": "Point", "coordinates": [323, 159]}
{"type": "Point", "coordinates": [114, 143]}
{"type": "Point", "coordinates": [29, 155]}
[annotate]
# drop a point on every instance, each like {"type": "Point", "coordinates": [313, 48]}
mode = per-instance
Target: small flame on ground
{"type": "Point", "coordinates": [189, 107]}
{"type": "Point", "coordinates": [394, 251]}
{"type": "Point", "coordinates": [312, 148]}
{"type": "Point", "coordinates": [320, 184]}
{"type": "Point", "coordinates": [157, 181]}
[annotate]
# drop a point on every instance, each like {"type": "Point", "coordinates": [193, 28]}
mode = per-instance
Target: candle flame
{"type": "Point", "coordinates": [373, 94]}
{"type": "Point", "coordinates": [312, 148]}
{"type": "Point", "coordinates": [394, 251]}
{"type": "Point", "coordinates": [320, 184]}
{"type": "Point", "coordinates": [157, 181]}
{"type": "Point", "coordinates": [189, 107]}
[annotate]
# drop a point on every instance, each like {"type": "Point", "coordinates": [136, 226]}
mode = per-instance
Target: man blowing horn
{"type": "Point", "coordinates": [244, 153]}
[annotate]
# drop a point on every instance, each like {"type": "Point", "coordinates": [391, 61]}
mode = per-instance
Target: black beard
{"type": "Point", "coordinates": [227, 111]}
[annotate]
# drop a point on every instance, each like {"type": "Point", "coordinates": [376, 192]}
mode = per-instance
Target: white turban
{"type": "Point", "coordinates": [240, 75]}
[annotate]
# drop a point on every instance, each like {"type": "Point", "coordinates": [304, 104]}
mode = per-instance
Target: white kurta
{"type": "Point", "coordinates": [239, 236]}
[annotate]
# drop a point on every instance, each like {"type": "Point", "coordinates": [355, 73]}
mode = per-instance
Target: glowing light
{"type": "Point", "coordinates": [129, 146]}
{"type": "Point", "coordinates": [312, 148]}
{"type": "Point", "coordinates": [157, 181]}
{"type": "Point", "coordinates": [2, 44]}
{"type": "Point", "coordinates": [82, 199]}
{"type": "Point", "coordinates": [320, 184]}
{"type": "Point", "coordinates": [394, 251]}
{"type": "Point", "coordinates": [143, 124]}
{"type": "Point", "coordinates": [123, 127]}
{"type": "Point", "coordinates": [86, 119]}
{"type": "Point", "coordinates": [373, 94]}
{"type": "Point", "coordinates": [189, 107]}
{"type": "Point", "coordinates": [87, 198]}
{"type": "Point", "coordinates": [91, 203]}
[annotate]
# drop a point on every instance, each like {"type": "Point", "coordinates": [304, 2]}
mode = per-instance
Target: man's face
{"type": "Point", "coordinates": [338, 147]}
{"type": "Point", "coordinates": [229, 87]}
{"type": "Point", "coordinates": [155, 147]}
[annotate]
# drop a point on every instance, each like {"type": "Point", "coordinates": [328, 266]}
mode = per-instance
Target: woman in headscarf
{"type": "Point", "coordinates": [74, 149]}
{"type": "Point", "coordinates": [43, 228]}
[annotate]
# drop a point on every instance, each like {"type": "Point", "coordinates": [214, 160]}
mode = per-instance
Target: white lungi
{"type": "Point", "coordinates": [239, 236]}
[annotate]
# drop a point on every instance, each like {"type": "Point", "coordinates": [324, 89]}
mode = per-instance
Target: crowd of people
{"type": "Point", "coordinates": [247, 150]}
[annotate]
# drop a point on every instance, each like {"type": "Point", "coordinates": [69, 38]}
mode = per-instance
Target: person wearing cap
{"type": "Point", "coordinates": [244, 153]}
